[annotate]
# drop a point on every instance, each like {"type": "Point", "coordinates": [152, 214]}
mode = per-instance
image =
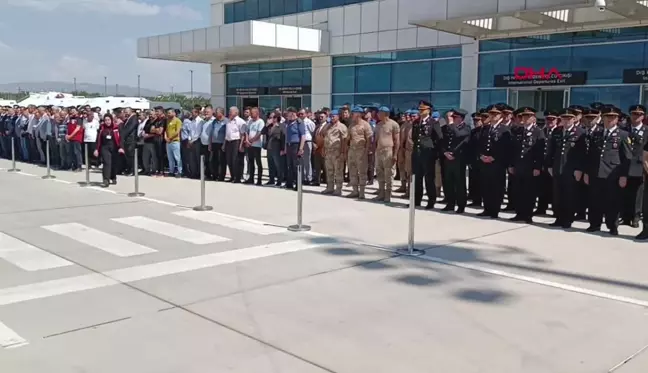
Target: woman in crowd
{"type": "Point", "coordinates": [109, 146]}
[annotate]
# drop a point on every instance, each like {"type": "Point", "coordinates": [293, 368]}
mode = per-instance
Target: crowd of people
{"type": "Point", "coordinates": [586, 163]}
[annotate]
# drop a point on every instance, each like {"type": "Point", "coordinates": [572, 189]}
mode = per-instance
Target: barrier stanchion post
{"type": "Point", "coordinates": [13, 156]}
{"type": "Point", "coordinates": [203, 206]}
{"type": "Point", "coordinates": [47, 161]}
{"type": "Point", "coordinates": [411, 250]}
{"type": "Point", "coordinates": [299, 227]}
{"type": "Point", "coordinates": [87, 168]}
{"type": "Point", "coordinates": [136, 193]}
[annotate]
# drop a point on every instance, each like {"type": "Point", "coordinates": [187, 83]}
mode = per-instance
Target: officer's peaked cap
{"type": "Point", "coordinates": [425, 105]}
{"type": "Point", "coordinates": [567, 112]}
{"type": "Point", "coordinates": [460, 112]}
{"type": "Point", "coordinates": [611, 110]}
{"type": "Point", "coordinates": [577, 108]}
{"type": "Point", "coordinates": [550, 114]}
{"type": "Point", "coordinates": [527, 110]}
{"type": "Point", "coordinates": [637, 109]}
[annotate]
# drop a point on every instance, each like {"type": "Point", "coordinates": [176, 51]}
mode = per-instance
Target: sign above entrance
{"type": "Point", "coordinates": [635, 75]}
{"type": "Point", "coordinates": [271, 91]}
{"type": "Point", "coordinates": [530, 77]}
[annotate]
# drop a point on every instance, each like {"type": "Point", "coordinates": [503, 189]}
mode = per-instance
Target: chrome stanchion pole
{"type": "Point", "coordinates": [136, 193]}
{"type": "Point", "coordinates": [13, 156]}
{"type": "Point", "coordinates": [47, 161]}
{"type": "Point", "coordinates": [202, 206]}
{"type": "Point", "coordinates": [299, 227]}
{"type": "Point", "coordinates": [411, 250]}
{"type": "Point", "coordinates": [87, 168]}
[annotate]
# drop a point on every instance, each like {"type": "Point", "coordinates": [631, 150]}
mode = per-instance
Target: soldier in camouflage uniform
{"type": "Point", "coordinates": [405, 153]}
{"type": "Point", "coordinates": [387, 144]}
{"type": "Point", "coordinates": [335, 137]}
{"type": "Point", "coordinates": [360, 134]}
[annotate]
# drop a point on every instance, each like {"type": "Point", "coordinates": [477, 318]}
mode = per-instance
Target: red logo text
{"type": "Point", "coordinates": [529, 73]}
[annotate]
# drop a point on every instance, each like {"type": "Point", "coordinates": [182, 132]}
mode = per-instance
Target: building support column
{"type": "Point", "coordinates": [469, 74]}
{"type": "Point", "coordinates": [218, 86]}
{"type": "Point", "coordinates": [321, 82]}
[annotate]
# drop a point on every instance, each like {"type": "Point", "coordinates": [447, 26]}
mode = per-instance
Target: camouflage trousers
{"type": "Point", "coordinates": [357, 161]}
{"type": "Point", "coordinates": [334, 163]}
{"type": "Point", "coordinates": [405, 164]}
{"type": "Point", "coordinates": [385, 167]}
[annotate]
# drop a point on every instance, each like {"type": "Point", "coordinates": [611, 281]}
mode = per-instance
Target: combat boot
{"type": "Point", "coordinates": [354, 194]}
{"type": "Point", "coordinates": [361, 194]}
{"type": "Point", "coordinates": [329, 189]}
{"type": "Point", "coordinates": [402, 189]}
{"type": "Point", "coordinates": [338, 191]}
{"type": "Point", "coordinates": [643, 235]}
{"type": "Point", "coordinates": [381, 192]}
{"type": "Point", "coordinates": [387, 198]}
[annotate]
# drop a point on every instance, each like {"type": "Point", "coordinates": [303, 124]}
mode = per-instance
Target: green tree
{"type": "Point", "coordinates": [185, 102]}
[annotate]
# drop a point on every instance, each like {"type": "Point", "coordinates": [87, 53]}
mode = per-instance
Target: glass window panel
{"type": "Point", "coordinates": [372, 100]}
{"type": "Point", "coordinates": [307, 63]}
{"type": "Point", "coordinates": [290, 6]}
{"type": "Point", "coordinates": [271, 66]}
{"type": "Point", "coordinates": [306, 101]}
{"type": "Point", "coordinates": [621, 97]}
{"type": "Point", "coordinates": [494, 45]}
{"type": "Point", "coordinates": [420, 54]}
{"type": "Point", "coordinates": [229, 102]}
{"type": "Point", "coordinates": [334, 3]}
{"type": "Point", "coordinates": [447, 52]}
{"type": "Point", "coordinates": [239, 11]}
{"type": "Point", "coordinates": [487, 97]}
{"type": "Point", "coordinates": [413, 76]}
{"type": "Point", "coordinates": [233, 81]}
{"type": "Point", "coordinates": [374, 57]}
{"type": "Point", "coordinates": [305, 5]}
{"type": "Point", "coordinates": [446, 75]}
{"type": "Point", "coordinates": [276, 8]}
{"type": "Point", "coordinates": [229, 13]}
{"type": "Point", "coordinates": [354, 1]}
{"type": "Point", "coordinates": [605, 63]}
{"type": "Point", "coordinates": [248, 80]}
{"type": "Point", "coordinates": [292, 78]}
{"type": "Point", "coordinates": [320, 4]}
{"type": "Point", "coordinates": [445, 101]}
{"type": "Point", "coordinates": [559, 58]}
{"type": "Point", "coordinates": [340, 100]}
{"type": "Point", "coordinates": [344, 60]}
{"type": "Point", "coordinates": [264, 9]}
{"type": "Point", "coordinates": [407, 101]}
{"type": "Point", "coordinates": [492, 64]}
{"type": "Point", "coordinates": [293, 64]}
{"type": "Point", "coordinates": [307, 77]}
{"type": "Point", "coordinates": [270, 79]}
{"type": "Point", "coordinates": [373, 78]}
{"type": "Point", "coordinates": [344, 80]}
{"type": "Point", "coordinates": [251, 9]}
{"type": "Point", "coordinates": [268, 103]}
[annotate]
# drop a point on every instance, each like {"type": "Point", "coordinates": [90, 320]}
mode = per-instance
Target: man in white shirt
{"type": "Point", "coordinates": [309, 125]}
{"type": "Point", "coordinates": [253, 144]}
{"type": "Point", "coordinates": [233, 134]}
{"type": "Point", "coordinates": [90, 131]}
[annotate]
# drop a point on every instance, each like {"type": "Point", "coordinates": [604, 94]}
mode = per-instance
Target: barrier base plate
{"type": "Point", "coordinates": [46, 177]}
{"type": "Point", "coordinates": [299, 228]}
{"type": "Point", "coordinates": [136, 194]}
{"type": "Point", "coordinates": [14, 170]}
{"type": "Point", "coordinates": [203, 208]}
{"type": "Point", "coordinates": [407, 252]}
{"type": "Point", "coordinates": [85, 184]}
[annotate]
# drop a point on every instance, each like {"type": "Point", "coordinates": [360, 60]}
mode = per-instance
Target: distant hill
{"type": "Point", "coordinates": [87, 87]}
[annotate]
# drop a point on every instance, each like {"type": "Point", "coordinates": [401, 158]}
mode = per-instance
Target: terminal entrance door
{"type": "Point", "coordinates": [292, 101]}
{"type": "Point", "coordinates": [250, 102]}
{"type": "Point", "coordinates": [540, 99]}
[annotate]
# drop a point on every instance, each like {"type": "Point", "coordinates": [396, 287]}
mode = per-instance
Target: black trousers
{"type": "Point", "coordinates": [204, 152]}
{"type": "Point", "coordinates": [254, 159]}
{"type": "Point", "coordinates": [606, 201]}
{"type": "Point", "coordinates": [240, 166]}
{"type": "Point", "coordinates": [442, 165]}
{"type": "Point", "coordinates": [161, 154]}
{"type": "Point", "coordinates": [510, 192]}
{"type": "Point", "coordinates": [292, 160]}
{"type": "Point", "coordinates": [217, 162]}
{"type": "Point", "coordinates": [545, 191]}
{"type": "Point", "coordinates": [493, 183]}
{"type": "Point", "coordinates": [454, 182]}
{"type": "Point", "coordinates": [109, 158]}
{"type": "Point", "coordinates": [565, 188]}
{"type": "Point", "coordinates": [318, 167]}
{"type": "Point", "coordinates": [525, 190]}
{"type": "Point", "coordinates": [583, 197]}
{"type": "Point", "coordinates": [193, 159]}
{"type": "Point", "coordinates": [184, 157]}
{"type": "Point", "coordinates": [129, 150]}
{"type": "Point", "coordinates": [231, 157]}
{"type": "Point", "coordinates": [150, 158]}
{"type": "Point", "coordinates": [424, 167]}
{"type": "Point", "coordinates": [474, 188]}
{"type": "Point", "coordinates": [633, 196]}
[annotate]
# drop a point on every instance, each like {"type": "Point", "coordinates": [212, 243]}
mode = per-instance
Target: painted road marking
{"type": "Point", "coordinates": [232, 222]}
{"type": "Point", "coordinates": [100, 240]}
{"type": "Point", "coordinates": [28, 257]}
{"type": "Point", "coordinates": [9, 338]}
{"type": "Point", "coordinates": [171, 230]}
{"type": "Point", "coordinates": [69, 285]}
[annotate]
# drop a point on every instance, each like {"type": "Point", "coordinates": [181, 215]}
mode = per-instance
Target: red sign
{"type": "Point", "coordinates": [529, 73]}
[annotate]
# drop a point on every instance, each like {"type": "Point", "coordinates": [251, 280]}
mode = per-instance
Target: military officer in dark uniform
{"type": "Point", "coordinates": [455, 150]}
{"type": "Point", "coordinates": [545, 185]}
{"type": "Point", "coordinates": [526, 164]}
{"type": "Point", "coordinates": [426, 134]}
{"type": "Point", "coordinates": [474, 191]}
{"type": "Point", "coordinates": [608, 162]}
{"type": "Point", "coordinates": [578, 111]}
{"type": "Point", "coordinates": [565, 158]}
{"type": "Point", "coordinates": [494, 149]}
{"type": "Point", "coordinates": [633, 193]}
{"type": "Point", "coordinates": [517, 132]}
{"type": "Point", "coordinates": [644, 219]}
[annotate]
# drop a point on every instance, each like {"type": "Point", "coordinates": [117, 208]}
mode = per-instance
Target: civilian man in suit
{"type": "Point", "coordinates": [128, 135]}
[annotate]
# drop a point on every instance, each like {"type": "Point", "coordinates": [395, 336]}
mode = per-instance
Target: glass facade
{"type": "Point", "coordinates": [399, 79]}
{"type": "Point", "coordinates": [270, 84]}
{"type": "Point", "coordinates": [249, 10]}
{"type": "Point", "coordinates": [602, 55]}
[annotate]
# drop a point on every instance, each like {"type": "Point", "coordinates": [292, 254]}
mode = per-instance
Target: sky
{"type": "Point", "coordinates": [59, 40]}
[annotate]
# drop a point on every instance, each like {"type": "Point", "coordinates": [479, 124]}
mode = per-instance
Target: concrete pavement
{"type": "Point", "coordinates": [96, 281]}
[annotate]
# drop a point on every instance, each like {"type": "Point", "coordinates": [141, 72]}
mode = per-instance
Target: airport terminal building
{"type": "Point", "coordinates": [455, 53]}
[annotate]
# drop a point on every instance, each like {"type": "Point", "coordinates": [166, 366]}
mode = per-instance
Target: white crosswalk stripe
{"type": "Point", "coordinates": [247, 225]}
{"type": "Point", "coordinates": [28, 257]}
{"type": "Point", "coordinates": [100, 240]}
{"type": "Point", "coordinates": [171, 230]}
{"type": "Point", "coordinates": [9, 338]}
